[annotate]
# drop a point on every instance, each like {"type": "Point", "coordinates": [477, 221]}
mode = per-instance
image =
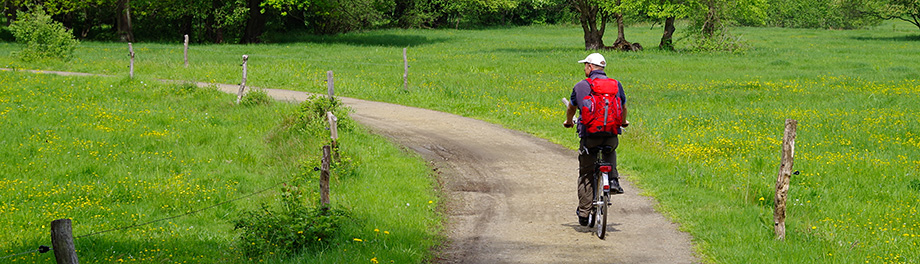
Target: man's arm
{"type": "Point", "coordinates": [622, 95]}
{"type": "Point", "coordinates": [569, 115]}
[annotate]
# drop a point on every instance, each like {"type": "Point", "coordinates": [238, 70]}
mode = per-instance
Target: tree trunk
{"type": "Point", "coordinates": [712, 23]}
{"type": "Point", "coordinates": [9, 11]}
{"type": "Point", "coordinates": [621, 44]}
{"type": "Point", "coordinates": [594, 37]}
{"type": "Point", "coordinates": [255, 25]}
{"type": "Point", "coordinates": [666, 42]}
{"type": "Point", "coordinates": [123, 21]}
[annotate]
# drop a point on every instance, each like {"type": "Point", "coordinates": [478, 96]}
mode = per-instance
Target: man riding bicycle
{"type": "Point", "coordinates": [590, 144]}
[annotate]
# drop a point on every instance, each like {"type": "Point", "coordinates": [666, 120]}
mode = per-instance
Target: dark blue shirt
{"type": "Point", "coordinates": [583, 89]}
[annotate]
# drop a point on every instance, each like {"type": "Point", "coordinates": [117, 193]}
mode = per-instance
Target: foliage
{"type": "Point", "coordinates": [256, 97]}
{"type": "Point", "coordinates": [311, 114]}
{"type": "Point", "coordinates": [846, 14]}
{"type": "Point", "coordinates": [290, 229]}
{"type": "Point", "coordinates": [42, 36]}
{"type": "Point", "coordinates": [720, 41]}
{"type": "Point", "coordinates": [711, 17]}
{"type": "Point", "coordinates": [337, 16]}
{"type": "Point", "coordinates": [211, 21]}
{"type": "Point", "coordinates": [906, 10]}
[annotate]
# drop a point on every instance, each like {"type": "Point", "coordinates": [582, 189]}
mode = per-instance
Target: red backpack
{"type": "Point", "coordinates": [602, 110]}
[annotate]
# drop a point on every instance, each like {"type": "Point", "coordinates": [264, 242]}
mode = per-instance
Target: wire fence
{"type": "Point", "coordinates": [45, 248]}
{"type": "Point", "coordinates": [206, 51]}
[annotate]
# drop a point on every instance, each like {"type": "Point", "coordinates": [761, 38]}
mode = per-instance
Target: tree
{"type": "Point", "coordinates": [589, 14]}
{"type": "Point", "coordinates": [123, 20]}
{"type": "Point", "coordinates": [669, 10]}
{"type": "Point", "coordinates": [907, 10]}
{"type": "Point", "coordinates": [255, 23]}
{"type": "Point", "coordinates": [712, 16]}
{"type": "Point", "coordinates": [594, 14]}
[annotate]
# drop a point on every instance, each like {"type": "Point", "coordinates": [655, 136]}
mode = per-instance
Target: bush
{"type": "Point", "coordinates": [256, 97]}
{"type": "Point", "coordinates": [288, 231]}
{"type": "Point", "coordinates": [42, 36]}
{"type": "Point", "coordinates": [292, 225]}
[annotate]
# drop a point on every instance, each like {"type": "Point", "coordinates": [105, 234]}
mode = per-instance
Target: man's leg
{"type": "Point", "coordinates": [612, 159]}
{"type": "Point", "coordinates": [585, 176]}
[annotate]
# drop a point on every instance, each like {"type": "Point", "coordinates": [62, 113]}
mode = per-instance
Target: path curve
{"type": "Point", "coordinates": [511, 196]}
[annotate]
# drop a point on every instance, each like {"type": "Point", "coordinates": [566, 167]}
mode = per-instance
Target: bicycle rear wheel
{"type": "Point", "coordinates": [601, 199]}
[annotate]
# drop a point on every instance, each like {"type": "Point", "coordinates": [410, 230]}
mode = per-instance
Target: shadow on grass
{"type": "Point", "coordinates": [898, 38]}
{"type": "Point", "coordinates": [535, 50]}
{"type": "Point", "coordinates": [362, 39]}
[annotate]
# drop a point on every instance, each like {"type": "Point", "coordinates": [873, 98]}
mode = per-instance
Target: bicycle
{"type": "Point", "coordinates": [601, 192]}
{"type": "Point", "coordinates": [598, 217]}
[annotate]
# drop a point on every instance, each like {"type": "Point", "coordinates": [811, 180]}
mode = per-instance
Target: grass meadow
{"type": "Point", "coordinates": [707, 127]}
{"type": "Point", "coordinates": [109, 152]}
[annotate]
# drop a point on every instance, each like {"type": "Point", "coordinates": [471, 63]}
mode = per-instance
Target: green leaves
{"type": "Point", "coordinates": [42, 36]}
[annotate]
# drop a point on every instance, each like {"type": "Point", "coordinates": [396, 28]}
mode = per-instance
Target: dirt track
{"type": "Point", "coordinates": [511, 196]}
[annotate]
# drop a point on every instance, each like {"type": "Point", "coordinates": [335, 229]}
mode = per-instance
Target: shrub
{"type": "Point", "coordinates": [295, 224]}
{"type": "Point", "coordinates": [42, 36]}
{"type": "Point", "coordinates": [256, 97]}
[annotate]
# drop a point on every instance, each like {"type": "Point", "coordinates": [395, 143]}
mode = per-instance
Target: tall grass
{"type": "Point", "coordinates": [112, 152]}
{"type": "Point", "coordinates": [707, 126]}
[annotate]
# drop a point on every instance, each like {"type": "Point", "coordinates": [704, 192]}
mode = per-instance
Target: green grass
{"type": "Point", "coordinates": [707, 126]}
{"type": "Point", "coordinates": [112, 152]}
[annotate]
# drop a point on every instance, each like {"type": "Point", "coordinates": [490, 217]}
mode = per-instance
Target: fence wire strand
{"type": "Point", "coordinates": [180, 215]}
{"type": "Point", "coordinates": [20, 254]}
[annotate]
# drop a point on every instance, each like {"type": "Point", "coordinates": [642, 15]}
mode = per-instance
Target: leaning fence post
{"type": "Point", "coordinates": [324, 177]}
{"type": "Point", "coordinates": [242, 84]}
{"type": "Point", "coordinates": [330, 85]}
{"type": "Point", "coordinates": [62, 242]}
{"type": "Point", "coordinates": [131, 66]}
{"type": "Point", "coordinates": [782, 180]}
{"type": "Point", "coordinates": [406, 70]}
{"type": "Point", "coordinates": [185, 51]}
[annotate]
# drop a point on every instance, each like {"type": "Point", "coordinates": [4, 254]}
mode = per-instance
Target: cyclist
{"type": "Point", "coordinates": [587, 150]}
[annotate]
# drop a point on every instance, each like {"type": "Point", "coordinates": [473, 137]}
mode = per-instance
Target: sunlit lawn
{"type": "Point", "coordinates": [707, 126]}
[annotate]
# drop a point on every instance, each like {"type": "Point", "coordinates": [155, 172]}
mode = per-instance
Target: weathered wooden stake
{"type": "Point", "coordinates": [185, 51]}
{"type": "Point", "coordinates": [782, 180]}
{"type": "Point", "coordinates": [406, 70]}
{"type": "Point", "coordinates": [131, 66]}
{"type": "Point", "coordinates": [62, 242]}
{"type": "Point", "coordinates": [333, 127]}
{"type": "Point", "coordinates": [239, 95]}
{"type": "Point", "coordinates": [330, 84]}
{"type": "Point", "coordinates": [324, 177]}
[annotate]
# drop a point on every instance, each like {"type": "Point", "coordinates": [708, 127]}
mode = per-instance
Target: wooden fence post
{"type": "Point", "coordinates": [185, 51]}
{"type": "Point", "coordinates": [782, 180]}
{"type": "Point", "coordinates": [131, 66]}
{"type": "Point", "coordinates": [333, 128]}
{"type": "Point", "coordinates": [239, 95]}
{"type": "Point", "coordinates": [330, 84]}
{"type": "Point", "coordinates": [324, 177]}
{"type": "Point", "coordinates": [62, 242]}
{"type": "Point", "coordinates": [406, 70]}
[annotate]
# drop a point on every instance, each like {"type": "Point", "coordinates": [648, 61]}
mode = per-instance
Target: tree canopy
{"type": "Point", "coordinates": [247, 21]}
